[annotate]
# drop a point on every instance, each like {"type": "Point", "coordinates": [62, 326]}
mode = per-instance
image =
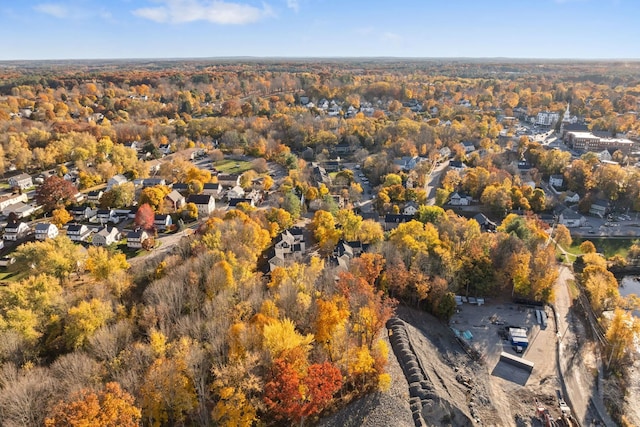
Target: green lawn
{"type": "Point", "coordinates": [232, 166]}
{"type": "Point", "coordinates": [607, 247]}
{"type": "Point", "coordinates": [7, 276]}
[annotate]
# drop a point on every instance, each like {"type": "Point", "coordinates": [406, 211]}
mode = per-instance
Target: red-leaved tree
{"type": "Point", "coordinates": [55, 192]}
{"type": "Point", "coordinates": [292, 398]}
{"type": "Point", "coordinates": [144, 217]}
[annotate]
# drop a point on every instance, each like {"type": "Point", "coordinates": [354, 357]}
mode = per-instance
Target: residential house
{"type": "Point", "coordinates": [78, 232]}
{"type": "Point", "coordinates": [393, 220]}
{"type": "Point", "coordinates": [319, 174]}
{"type": "Point", "coordinates": [571, 219]}
{"type": "Point", "coordinates": [599, 208]}
{"type": "Point", "coordinates": [19, 210]}
{"type": "Point", "coordinates": [82, 213]}
{"type": "Point", "coordinates": [233, 203]}
{"type": "Point", "coordinates": [162, 221]}
{"type": "Point", "coordinates": [254, 195]}
{"type": "Point", "coordinates": [332, 165]}
{"type": "Point", "coordinates": [174, 200]}
{"type": "Point", "coordinates": [571, 197]}
{"type": "Point", "coordinates": [106, 236]}
{"type": "Point", "coordinates": [134, 145]}
{"type": "Point", "coordinates": [408, 163]}
{"type": "Point", "coordinates": [286, 244]}
{"type": "Point", "coordinates": [524, 166]}
{"type": "Point", "coordinates": [136, 238]}
{"type": "Point", "coordinates": [343, 148]}
{"type": "Point", "coordinates": [104, 216]}
{"type": "Point", "coordinates": [445, 152]}
{"type": "Point", "coordinates": [21, 181]}
{"type": "Point", "coordinates": [46, 230]}
{"type": "Point", "coordinates": [212, 188]}
{"type": "Point", "coordinates": [351, 249]}
{"type": "Point", "coordinates": [275, 261]}
{"type": "Point", "coordinates": [410, 208]}
{"type": "Point", "coordinates": [468, 146]}
{"type": "Point", "coordinates": [181, 187]}
{"type": "Point", "coordinates": [485, 223]}
{"type": "Point", "coordinates": [94, 196]}
{"type": "Point", "coordinates": [459, 199]}
{"type": "Point", "coordinates": [116, 180]}
{"type": "Point", "coordinates": [152, 182]}
{"type": "Point", "coordinates": [11, 199]}
{"type": "Point", "coordinates": [205, 203]}
{"type": "Point", "coordinates": [556, 180]}
{"type": "Point", "coordinates": [605, 156]}
{"type": "Point", "coordinates": [457, 165]}
{"type": "Point", "coordinates": [235, 193]}
{"type": "Point", "coordinates": [16, 230]}
{"type": "Point", "coordinates": [228, 180]}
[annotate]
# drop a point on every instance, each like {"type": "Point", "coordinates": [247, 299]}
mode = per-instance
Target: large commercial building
{"type": "Point", "coordinates": [587, 141]}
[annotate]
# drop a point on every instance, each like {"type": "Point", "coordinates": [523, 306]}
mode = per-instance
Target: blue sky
{"type": "Point", "coordinates": [79, 29]}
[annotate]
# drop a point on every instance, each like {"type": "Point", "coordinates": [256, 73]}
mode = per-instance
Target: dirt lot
{"type": "Point", "coordinates": [485, 323]}
{"type": "Point", "coordinates": [494, 393]}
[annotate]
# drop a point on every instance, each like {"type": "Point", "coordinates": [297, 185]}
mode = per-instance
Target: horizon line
{"type": "Point", "coordinates": [397, 58]}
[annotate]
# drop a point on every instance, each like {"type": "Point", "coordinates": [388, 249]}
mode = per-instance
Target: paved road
{"type": "Point", "coordinates": [432, 182]}
{"type": "Point", "coordinates": [581, 388]}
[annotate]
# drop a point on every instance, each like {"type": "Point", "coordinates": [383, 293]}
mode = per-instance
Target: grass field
{"type": "Point", "coordinates": [607, 247]}
{"type": "Point", "coordinates": [232, 166]}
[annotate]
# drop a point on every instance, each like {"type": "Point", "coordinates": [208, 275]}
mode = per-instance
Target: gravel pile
{"type": "Point", "coordinates": [380, 409]}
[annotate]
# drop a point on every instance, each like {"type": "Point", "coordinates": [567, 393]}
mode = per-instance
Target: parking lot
{"type": "Point", "coordinates": [486, 322]}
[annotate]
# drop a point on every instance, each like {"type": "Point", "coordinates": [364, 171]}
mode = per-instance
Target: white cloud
{"type": "Point", "coordinates": [56, 10]}
{"type": "Point", "coordinates": [293, 4]}
{"type": "Point", "coordinates": [214, 11]}
{"type": "Point", "coordinates": [74, 10]}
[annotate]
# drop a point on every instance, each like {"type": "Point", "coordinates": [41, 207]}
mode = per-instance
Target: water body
{"type": "Point", "coordinates": [630, 285]}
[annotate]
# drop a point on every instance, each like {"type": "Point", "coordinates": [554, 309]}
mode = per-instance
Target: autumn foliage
{"type": "Point", "coordinates": [292, 398]}
{"type": "Point", "coordinates": [111, 407]}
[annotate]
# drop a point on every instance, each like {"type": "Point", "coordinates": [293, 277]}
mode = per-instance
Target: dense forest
{"type": "Point", "coordinates": [203, 335]}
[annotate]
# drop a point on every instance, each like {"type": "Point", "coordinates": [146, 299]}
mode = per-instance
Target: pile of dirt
{"type": "Point", "coordinates": [430, 404]}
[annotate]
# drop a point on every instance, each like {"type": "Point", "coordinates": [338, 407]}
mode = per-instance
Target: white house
{"type": "Point", "coordinates": [78, 232]}
{"type": "Point", "coordinates": [571, 197]}
{"type": "Point", "coordinates": [599, 208]}
{"type": "Point", "coordinates": [556, 180]}
{"type": "Point", "coordinates": [468, 146]}
{"type": "Point", "coordinates": [212, 188]}
{"type": "Point", "coordinates": [410, 208]}
{"type": "Point", "coordinates": [10, 199]}
{"type": "Point", "coordinates": [136, 238]}
{"type": "Point", "coordinates": [15, 231]}
{"type": "Point", "coordinates": [235, 193]}
{"type": "Point", "coordinates": [20, 210]}
{"type": "Point", "coordinates": [45, 230]}
{"type": "Point", "coordinates": [205, 203]}
{"type": "Point", "coordinates": [162, 221]}
{"type": "Point", "coordinates": [104, 216]}
{"type": "Point", "coordinates": [571, 219]}
{"type": "Point", "coordinates": [458, 199]}
{"type": "Point", "coordinates": [116, 180]}
{"type": "Point", "coordinates": [94, 196]}
{"type": "Point", "coordinates": [21, 181]}
{"type": "Point", "coordinates": [82, 213]}
{"type": "Point", "coordinates": [106, 236]}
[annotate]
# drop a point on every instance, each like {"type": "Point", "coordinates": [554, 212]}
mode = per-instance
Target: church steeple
{"type": "Point", "coordinates": [567, 115]}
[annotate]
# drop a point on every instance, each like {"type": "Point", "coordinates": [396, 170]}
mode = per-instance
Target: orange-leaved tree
{"type": "Point", "coordinates": [109, 407]}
